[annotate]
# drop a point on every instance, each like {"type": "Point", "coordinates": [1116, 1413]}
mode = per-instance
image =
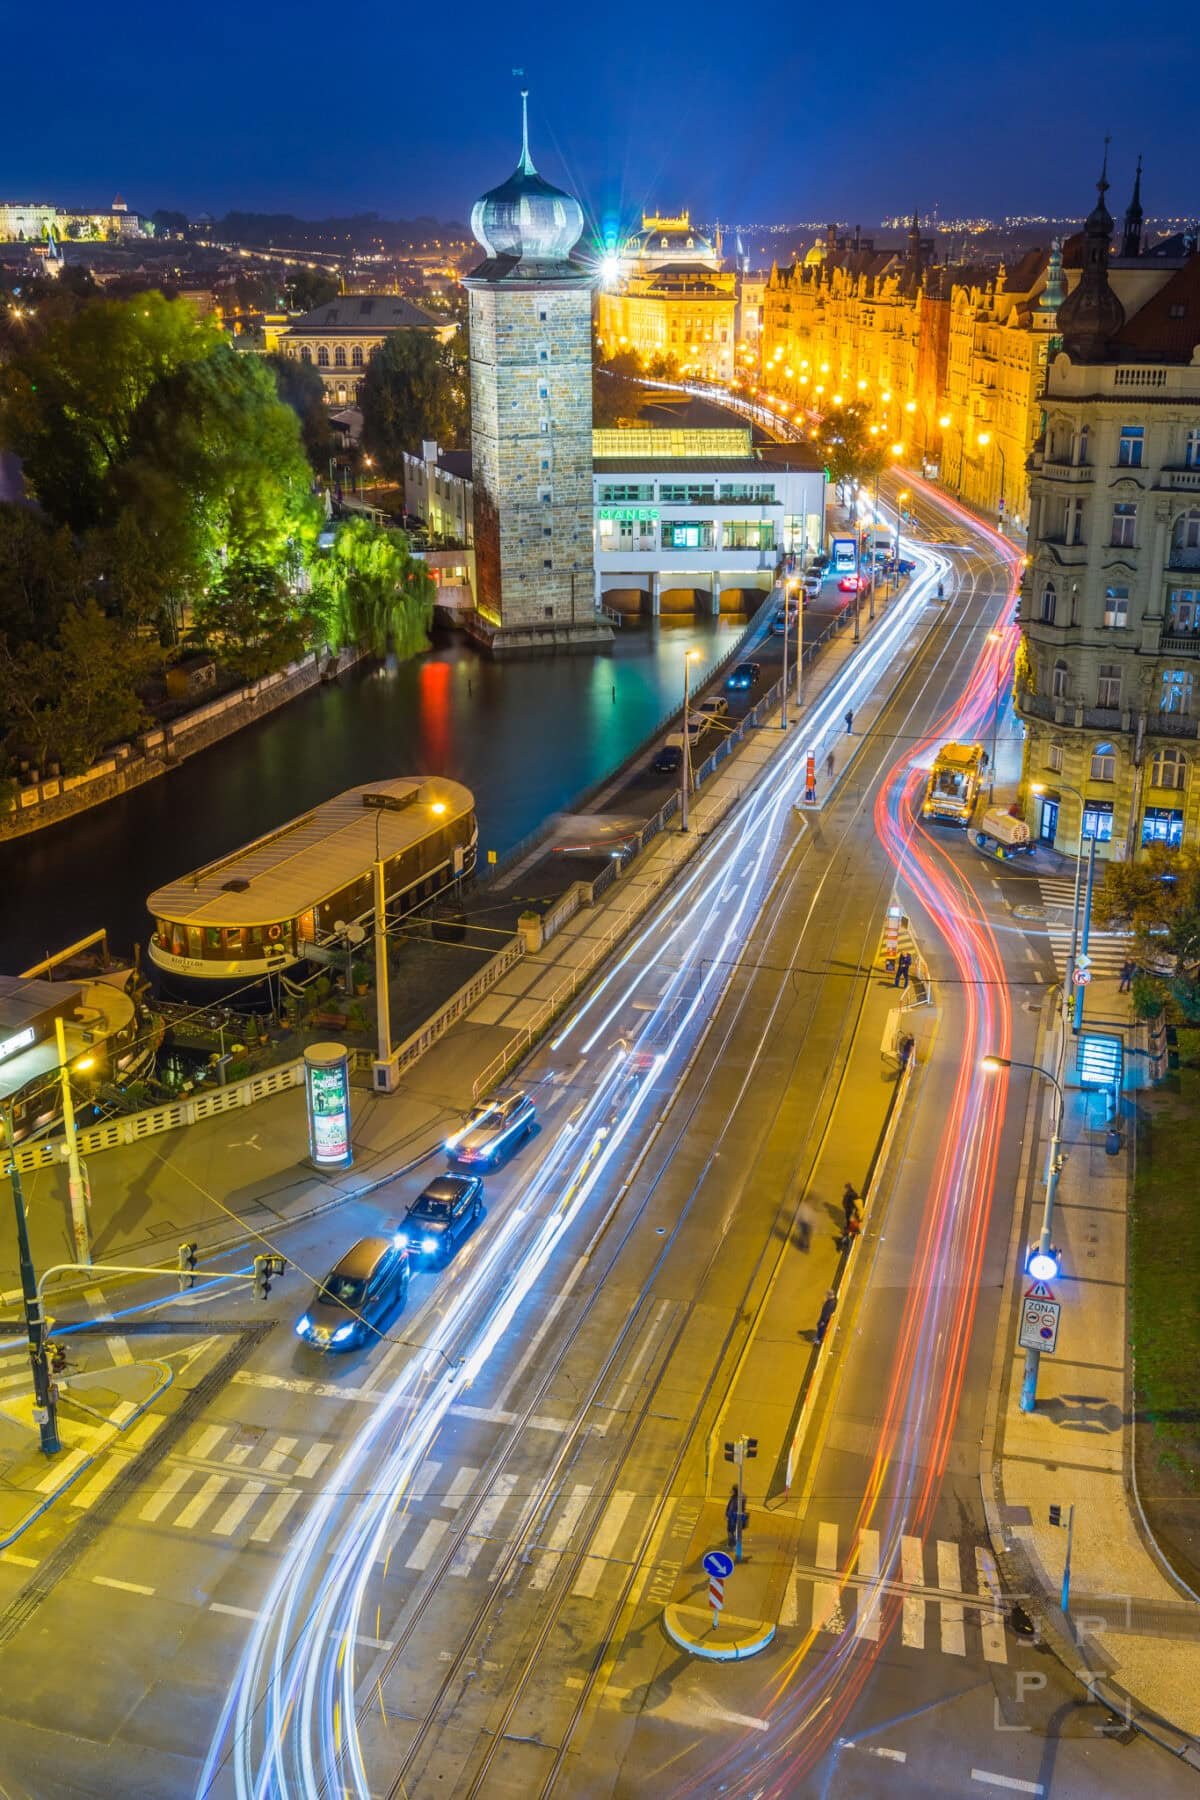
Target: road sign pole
{"type": "Point", "coordinates": [739, 1463]}
{"type": "Point", "coordinates": [1087, 928]}
{"type": "Point", "coordinates": [716, 1597]}
{"type": "Point", "coordinates": [1028, 1402]}
{"type": "Point", "coordinates": [1066, 1580]}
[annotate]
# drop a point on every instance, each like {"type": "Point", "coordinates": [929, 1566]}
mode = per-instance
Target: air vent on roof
{"type": "Point", "coordinates": [392, 802]}
{"type": "Point", "coordinates": [239, 885]}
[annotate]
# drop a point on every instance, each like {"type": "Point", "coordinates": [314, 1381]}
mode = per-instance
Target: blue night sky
{"type": "Point", "coordinates": [850, 113]}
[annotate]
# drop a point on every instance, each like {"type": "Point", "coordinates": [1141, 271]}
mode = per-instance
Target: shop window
{"type": "Point", "coordinates": [1098, 820]}
{"type": "Point", "coordinates": [1163, 825]}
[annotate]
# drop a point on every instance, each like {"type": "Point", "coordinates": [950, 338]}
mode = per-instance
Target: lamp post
{"type": "Point", "coordinates": [1048, 1266]}
{"type": "Point", "coordinates": [45, 1410]}
{"type": "Point", "coordinates": [1039, 787]}
{"type": "Point", "coordinates": [76, 1174]}
{"type": "Point", "coordinates": [685, 768]}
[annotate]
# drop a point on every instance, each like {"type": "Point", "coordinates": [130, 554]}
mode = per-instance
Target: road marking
{"type": "Point", "coordinates": [731, 1718]}
{"type": "Point", "coordinates": [91, 1490]}
{"type": "Point", "coordinates": [991, 1623]}
{"type": "Point", "coordinates": [827, 1537]}
{"type": "Point", "coordinates": [118, 1347]}
{"type": "Point", "coordinates": [459, 1488]}
{"type": "Point", "coordinates": [1030, 953]}
{"type": "Point", "coordinates": [611, 1693]}
{"type": "Point", "coordinates": [237, 1509]}
{"type": "Point", "coordinates": [308, 1465]}
{"type": "Point", "coordinates": [954, 1638]}
{"type": "Point", "coordinates": [424, 1480]}
{"type": "Point", "coordinates": [274, 1516]}
{"type": "Point", "coordinates": [426, 1544]}
{"type": "Point", "coordinates": [126, 1587]}
{"type": "Point", "coordinates": [868, 1554]}
{"type": "Point", "coordinates": [560, 1537]}
{"type": "Point", "coordinates": [158, 1503]}
{"type": "Point", "coordinates": [615, 1514]}
{"type": "Point", "coordinates": [232, 1612]}
{"type": "Point", "coordinates": [275, 1459]}
{"type": "Point", "coordinates": [874, 1750]}
{"type": "Point", "coordinates": [61, 1472]}
{"type": "Point", "coordinates": [207, 1442]}
{"type": "Point", "coordinates": [826, 1611]}
{"type": "Point", "coordinates": [200, 1501]}
{"type": "Point", "coordinates": [1007, 1781]}
{"type": "Point", "coordinates": [15, 1556]}
{"type": "Point", "coordinates": [912, 1568]}
{"type": "Point", "coordinates": [483, 1525]}
{"type": "Point", "coordinates": [635, 1368]}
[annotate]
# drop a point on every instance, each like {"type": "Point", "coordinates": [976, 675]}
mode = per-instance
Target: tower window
{"type": "Point", "coordinates": [543, 315]}
{"type": "Point", "coordinates": [547, 562]}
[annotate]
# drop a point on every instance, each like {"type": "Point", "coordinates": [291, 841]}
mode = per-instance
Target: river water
{"type": "Point", "coordinates": [524, 735]}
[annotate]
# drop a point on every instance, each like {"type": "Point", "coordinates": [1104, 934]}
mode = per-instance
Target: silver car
{"type": "Point", "coordinates": [493, 1129]}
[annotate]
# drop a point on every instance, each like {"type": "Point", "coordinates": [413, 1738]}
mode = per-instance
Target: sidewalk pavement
{"type": "Point", "coordinates": [779, 1377]}
{"type": "Point", "coordinates": [94, 1407]}
{"type": "Point", "coordinates": [1133, 1632]}
{"type": "Point", "coordinates": [227, 1178]}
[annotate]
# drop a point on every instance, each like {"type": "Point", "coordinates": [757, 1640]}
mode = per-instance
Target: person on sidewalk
{"type": "Point", "coordinates": [850, 1200]}
{"type": "Point", "coordinates": [735, 1515]}
{"type": "Point", "coordinates": [829, 767]}
{"type": "Point", "coordinates": [853, 1228]}
{"type": "Point", "coordinates": [1128, 971]}
{"type": "Point", "coordinates": [904, 1050]}
{"type": "Point", "coordinates": [806, 1218]}
{"type": "Point", "coordinates": [903, 966]}
{"type": "Point", "coordinates": [849, 722]}
{"type": "Point", "coordinates": [828, 1308]}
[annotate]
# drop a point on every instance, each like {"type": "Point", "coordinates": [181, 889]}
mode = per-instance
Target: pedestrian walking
{"type": "Point", "coordinates": [806, 1218]}
{"type": "Point", "coordinates": [849, 722]}
{"type": "Point", "coordinates": [829, 767]}
{"type": "Point", "coordinates": [903, 966]}
{"type": "Point", "coordinates": [850, 1200]}
{"type": "Point", "coordinates": [828, 1308]}
{"type": "Point", "coordinates": [904, 1050]}
{"type": "Point", "coordinates": [735, 1516]}
{"type": "Point", "coordinates": [1128, 972]}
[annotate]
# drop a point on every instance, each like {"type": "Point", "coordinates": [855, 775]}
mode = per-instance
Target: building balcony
{"type": "Point", "coordinates": [1179, 643]}
{"type": "Point", "coordinates": [1066, 471]}
{"type": "Point", "coordinates": [1179, 480]}
{"type": "Point", "coordinates": [1161, 724]}
{"type": "Point", "coordinates": [1185, 558]}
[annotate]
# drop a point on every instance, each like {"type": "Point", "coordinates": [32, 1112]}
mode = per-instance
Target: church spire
{"type": "Point", "coordinates": [1090, 317]}
{"type": "Point", "coordinates": [1131, 238]}
{"type": "Point", "coordinates": [526, 163]}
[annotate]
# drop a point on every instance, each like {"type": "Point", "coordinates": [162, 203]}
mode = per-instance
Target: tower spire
{"type": "Point", "coordinates": [526, 164]}
{"type": "Point", "coordinates": [1131, 237]}
{"type": "Point", "coordinates": [1091, 315]}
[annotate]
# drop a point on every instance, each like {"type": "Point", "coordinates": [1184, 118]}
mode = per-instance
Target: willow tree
{"type": "Point", "coordinates": [369, 591]}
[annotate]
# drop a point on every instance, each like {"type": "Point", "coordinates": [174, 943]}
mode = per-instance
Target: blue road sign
{"type": "Point", "coordinates": [717, 1563]}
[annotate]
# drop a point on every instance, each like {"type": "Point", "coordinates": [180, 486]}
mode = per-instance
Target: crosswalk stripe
{"type": "Point", "coordinates": [423, 1480]}
{"type": "Point", "coordinates": [560, 1537]}
{"type": "Point", "coordinates": [207, 1442]}
{"type": "Point", "coordinates": [991, 1623]}
{"type": "Point", "coordinates": [954, 1638]}
{"type": "Point", "coordinates": [237, 1509]}
{"type": "Point", "coordinates": [866, 1617]}
{"type": "Point", "coordinates": [200, 1502]}
{"type": "Point", "coordinates": [912, 1561]}
{"type": "Point", "coordinates": [308, 1465]}
{"type": "Point", "coordinates": [275, 1459]}
{"type": "Point", "coordinates": [483, 1525]}
{"type": "Point", "coordinates": [158, 1502]}
{"type": "Point", "coordinates": [593, 1567]}
{"type": "Point", "coordinates": [459, 1488]}
{"type": "Point", "coordinates": [868, 1553]}
{"type": "Point", "coordinates": [827, 1537]}
{"type": "Point", "coordinates": [827, 1612]}
{"type": "Point", "coordinates": [91, 1490]}
{"type": "Point", "coordinates": [912, 1628]}
{"type": "Point", "coordinates": [274, 1516]}
{"type": "Point", "coordinates": [422, 1551]}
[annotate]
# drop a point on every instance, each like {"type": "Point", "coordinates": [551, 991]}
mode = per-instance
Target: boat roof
{"type": "Point", "coordinates": [303, 862]}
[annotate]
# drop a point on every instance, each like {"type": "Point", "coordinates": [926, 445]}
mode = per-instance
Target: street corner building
{"type": "Point", "coordinates": [1110, 603]}
{"type": "Point", "coordinates": [531, 419]}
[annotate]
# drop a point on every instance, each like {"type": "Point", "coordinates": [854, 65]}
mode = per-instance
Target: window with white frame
{"type": "Point", "coordinates": [1168, 768]}
{"type": "Point", "coordinates": [1048, 604]}
{"type": "Point", "coordinates": [1116, 607]}
{"type": "Point", "coordinates": [1124, 523]}
{"type": "Point", "coordinates": [1191, 448]}
{"type": "Point", "coordinates": [1130, 447]}
{"type": "Point", "coordinates": [1058, 681]}
{"type": "Point", "coordinates": [1176, 694]}
{"type": "Point", "coordinates": [1104, 763]}
{"type": "Point", "coordinates": [1108, 686]}
{"type": "Point", "coordinates": [1054, 757]}
{"type": "Point", "coordinates": [1186, 535]}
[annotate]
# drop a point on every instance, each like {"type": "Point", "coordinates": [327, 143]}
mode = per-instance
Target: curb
{"type": "Point", "coordinates": [757, 1635]}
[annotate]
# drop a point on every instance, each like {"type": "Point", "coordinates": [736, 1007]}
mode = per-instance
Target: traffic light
{"type": "Point", "coordinates": [187, 1267]}
{"type": "Point", "coordinates": [751, 1448]}
{"type": "Point", "coordinates": [1056, 1515]}
{"type": "Point", "coordinates": [729, 1453]}
{"type": "Point", "coordinates": [265, 1270]}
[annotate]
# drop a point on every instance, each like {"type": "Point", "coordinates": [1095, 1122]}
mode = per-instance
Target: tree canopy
{"type": "Point", "coordinates": [1158, 899]}
{"type": "Point", "coordinates": [368, 590]}
{"type": "Point", "coordinates": [414, 388]}
{"type": "Point", "coordinates": [852, 451]}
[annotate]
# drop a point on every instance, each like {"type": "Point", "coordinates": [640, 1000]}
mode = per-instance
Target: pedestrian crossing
{"type": "Point", "coordinates": [938, 1611]}
{"type": "Point", "coordinates": [1107, 949]}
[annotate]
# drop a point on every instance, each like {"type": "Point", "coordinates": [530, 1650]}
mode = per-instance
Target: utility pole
{"type": "Point", "coordinates": [1087, 928]}
{"type": "Point", "coordinates": [685, 767]}
{"type": "Point", "coordinates": [77, 1185]}
{"type": "Point", "coordinates": [45, 1410]}
{"type": "Point", "coordinates": [739, 1453]}
{"type": "Point", "coordinates": [783, 718]}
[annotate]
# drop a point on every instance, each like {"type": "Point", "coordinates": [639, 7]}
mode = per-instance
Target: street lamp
{"type": "Point", "coordinates": [45, 1409]}
{"type": "Point", "coordinates": [685, 768]}
{"type": "Point", "coordinates": [1042, 1264]}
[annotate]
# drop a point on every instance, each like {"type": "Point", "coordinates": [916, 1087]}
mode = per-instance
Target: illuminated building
{"type": "Point", "coordinates": [671, 301]}
{"type": "Point", "coordinates": [1110, 606]}
{"type": "Point", "coordinates": [31, 221]}
{"type": "Point", "coordinates": [530, 325]}
{"type": "Point", "coordinates": [340, 337]}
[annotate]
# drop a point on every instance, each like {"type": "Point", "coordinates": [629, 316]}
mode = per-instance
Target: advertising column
{"type": "Point", "coordinates": [327, 1103]}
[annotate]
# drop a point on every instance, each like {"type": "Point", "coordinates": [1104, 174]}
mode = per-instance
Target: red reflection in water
{"type": "Point", "coordinates": [433, 711]}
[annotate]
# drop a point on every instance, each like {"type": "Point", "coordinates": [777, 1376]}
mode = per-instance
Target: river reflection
{"type": "Point", "coordinates": [525, 736]}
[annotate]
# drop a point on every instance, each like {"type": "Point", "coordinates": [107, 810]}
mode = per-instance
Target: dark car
{"type": "Point", "coordinates": [744, 676]}
{"type": "Point", "coordinates": [669, 759]}
{"type": "Point", "coordinates": [496, 1126]}
{"type": "Point", "coordinates": [439, 1219]}
{"type": "Point", "coordinates": [358, 1296]}
{"type": "Point", "coordinates": [904, 567]}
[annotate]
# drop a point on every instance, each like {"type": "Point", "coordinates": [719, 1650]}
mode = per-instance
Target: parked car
{"type": "Point", "coordinates": [714, 707]}
{"type": "Point", "coordinates": [669, 759]}
{"type": "Point", "coordinates": [744, 676]}
{"type": "Point", "coordinates": [358, 1296]}
{"type": "Point", "coordinates": [441, 1217]}
{"type": "Point", "coordinates": [494, 1127]}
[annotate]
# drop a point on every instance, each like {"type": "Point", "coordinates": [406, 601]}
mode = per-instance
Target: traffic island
{"type": "Point", "coordinates": [750, 1594]}
{"type": "Point", "coordinates": [94, 1408]}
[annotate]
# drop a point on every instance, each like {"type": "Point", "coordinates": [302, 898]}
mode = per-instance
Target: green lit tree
{"type": "Point", "coordinates": [1158, 899]}
{"type": "Point", "coordinates": [299, 386]}
{"type": "Point", "coordinates": [250, 619]}
{"type": "Point", "coordinates": [852, 452]}
{"type": "Point", "coordinates": [368, 591]}
{"type": "Point", "coordinates": [414, 388]}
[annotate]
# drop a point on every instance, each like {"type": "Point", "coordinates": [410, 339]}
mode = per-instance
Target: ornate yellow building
{"type": "Point", "coordinates": [671, 299]}
{"type": "Point", "coordinates": [950, 368]}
